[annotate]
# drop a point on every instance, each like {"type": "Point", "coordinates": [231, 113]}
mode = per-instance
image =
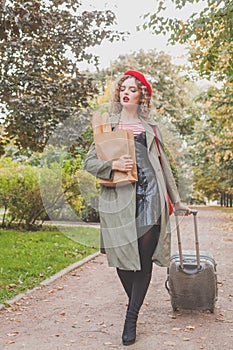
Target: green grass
{"type": "Point", "coordinates": [27, 258]}
{"type": "Point", "coordinates": [227, 210]}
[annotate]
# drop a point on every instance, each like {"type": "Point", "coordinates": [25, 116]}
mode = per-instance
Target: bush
{"type": "Point", "coordinates": [89, 188]}
{"type": "Point", "coordinates": [58, 190]}
{"type": "Point", "coordinates": [68, 192]}
{"type": "Point", "coordinates": [60, 193]}
{"type": "Point", "coordinates": [20, 193]}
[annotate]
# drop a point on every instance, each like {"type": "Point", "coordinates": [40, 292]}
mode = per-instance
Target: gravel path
{"type": "Point", "coordinates": [85, 308]}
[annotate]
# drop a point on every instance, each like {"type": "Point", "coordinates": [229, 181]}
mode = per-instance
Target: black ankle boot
{"type": "Point", "coordinates": [129, 332]}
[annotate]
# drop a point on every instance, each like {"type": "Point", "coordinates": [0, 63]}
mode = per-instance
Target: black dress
{"type": "Point", "coordinates": [148, 207]}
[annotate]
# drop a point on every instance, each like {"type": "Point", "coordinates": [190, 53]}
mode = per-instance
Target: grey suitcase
{"type": "Point", "coordinates": [191, 276]}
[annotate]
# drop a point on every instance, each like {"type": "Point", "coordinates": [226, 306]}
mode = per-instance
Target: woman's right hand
{"type": "Point", "coordinates": [124, 163]}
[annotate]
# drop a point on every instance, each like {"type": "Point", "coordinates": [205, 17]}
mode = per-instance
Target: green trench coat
{"type": "Point", "coordinates": [117, 206]}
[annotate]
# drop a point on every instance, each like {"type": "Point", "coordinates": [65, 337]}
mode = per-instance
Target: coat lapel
{"type": "Point", "coordinates": [148, 126]}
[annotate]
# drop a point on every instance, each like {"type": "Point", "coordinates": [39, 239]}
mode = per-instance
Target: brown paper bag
{"type": "Point", "coordinates": [112, 145]}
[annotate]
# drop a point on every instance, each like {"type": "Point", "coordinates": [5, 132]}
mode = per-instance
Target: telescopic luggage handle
{"type": "Point", "coordinates": [194, 212]}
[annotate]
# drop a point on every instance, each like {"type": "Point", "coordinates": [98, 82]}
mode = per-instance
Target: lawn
{"type": "Point", "coordinates": [27, 258]}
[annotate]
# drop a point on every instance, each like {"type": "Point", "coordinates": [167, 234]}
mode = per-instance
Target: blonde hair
{"type": "Point", "coordinates": [144, 106]}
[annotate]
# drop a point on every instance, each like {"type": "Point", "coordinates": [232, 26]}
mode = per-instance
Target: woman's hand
{"type": "Point", "coordinates": [180, 206]}
{"type": "Point", "coordinates": [124, 163]}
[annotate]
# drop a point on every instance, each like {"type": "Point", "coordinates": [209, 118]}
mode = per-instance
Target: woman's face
{"type": "Point", "coordinates": [129, 93]}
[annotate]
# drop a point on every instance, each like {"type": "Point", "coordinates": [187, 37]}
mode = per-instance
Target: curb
{"type": "Point", "coordinates": [51, 279]}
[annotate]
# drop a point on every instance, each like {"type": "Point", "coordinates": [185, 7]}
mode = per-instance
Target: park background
{"type": "Point", "coordinates": [58, 61]}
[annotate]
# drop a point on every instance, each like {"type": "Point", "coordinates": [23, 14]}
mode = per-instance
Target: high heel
{"type": "Point", "coordinates": [129, 332]}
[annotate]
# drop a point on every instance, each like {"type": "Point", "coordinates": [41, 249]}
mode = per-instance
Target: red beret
{"type": "Point", "coordinates": [140, 77]}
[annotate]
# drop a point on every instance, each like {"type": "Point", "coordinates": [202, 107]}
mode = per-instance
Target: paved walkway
{"type": "Point", "coordinates": [85, 308]}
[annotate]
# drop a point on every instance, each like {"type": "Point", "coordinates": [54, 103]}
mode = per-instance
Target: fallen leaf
{"type": "Point", "coordinates": [220, 283]}
{"type": "Point", "coordinates": [169, 343]}
{"type": "Point", "coordinates": [190, 328]}
{"type": "Point", "coordinates": [62, 313]}
{"type": "Point", "coordinates": [57, 335]}
{"type": "Point", "coordinates": [51, 291]}
{"type": "Point", "coordinates": [228, 239]}
{"type": "Point", "coordinates": [172, 316]}
{"type": "Point", "coordinates": [186, 339]}
{"type": "Point", "coordinates": [176, 329]}
{"type": "Point", "coordinates": [12, 334]}
{"type": "Point", "coordinates": [11, 286]}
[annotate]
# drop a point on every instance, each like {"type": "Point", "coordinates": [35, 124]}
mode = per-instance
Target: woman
{"type": "Point", "coordinates": [135, 228]}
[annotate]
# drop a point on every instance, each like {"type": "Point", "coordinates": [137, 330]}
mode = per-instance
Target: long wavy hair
{"type": "Point", "coordinates": [144, 106]}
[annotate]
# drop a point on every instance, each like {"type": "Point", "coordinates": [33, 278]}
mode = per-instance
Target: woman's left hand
{"type": "Point", "coordinates": [181, 206]}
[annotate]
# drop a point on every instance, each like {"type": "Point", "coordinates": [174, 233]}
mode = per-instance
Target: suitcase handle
{"type": "Point", "coordinates": [184, 211]}
{"type": "Point", "coordinates": [194, 212]}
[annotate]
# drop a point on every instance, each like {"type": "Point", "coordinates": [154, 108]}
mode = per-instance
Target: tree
{"type": "Point", "coordinates": [41, 46]}
{"type": "Point", "coordinates": [212, 146]}
{"type": "Point", "coordinates": [209, 39]}
{"type": "Point", "coordinates": [208, 35]}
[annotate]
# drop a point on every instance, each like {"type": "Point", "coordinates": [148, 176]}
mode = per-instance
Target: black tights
{"type": "Point", "coordinates": [136, 283]}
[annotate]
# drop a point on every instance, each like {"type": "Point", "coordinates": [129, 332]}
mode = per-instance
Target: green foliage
{"type": "Point", "coordinates": [68, 192]}
{"type": "Point", "coordinates": [41, 46]}
{"type": "Point", "coordinates": [209, 35]}
{"type": "Point", "coordinates": [27, 258]}
{"type": "Point", "coordinates": [82, 144]}
{"type": "Point", "coordinates": [209, 38]}
{"type": "Point", "coordinates": [89, 188]}
{"type": "Point", "coordinates": [8, 177]}
{"type": "Point", "coordinates": [59, 186]}
{"type": "Point", "coordinates": [172, 94]}
{"type": "Point", "coordinates": [212, 146]}
{"type": "Point", "coordinates": [30, 194]}
{"type": "Point", "coordinates": [20, 193]}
